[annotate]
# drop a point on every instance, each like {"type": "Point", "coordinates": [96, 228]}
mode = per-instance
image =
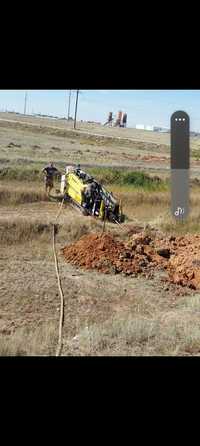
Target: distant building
{"type": "Point", "coordinates": [151, 128]}
{"type": "Point", "coordinates": [164, 130]}
{"type": "Point", "coordinates": [192, 133]}
{"type": "Point", "coordinates": [140, 126]}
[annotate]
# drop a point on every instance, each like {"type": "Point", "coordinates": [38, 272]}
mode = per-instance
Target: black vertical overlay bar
{"type": "Point", "coordinates": [180, 164]}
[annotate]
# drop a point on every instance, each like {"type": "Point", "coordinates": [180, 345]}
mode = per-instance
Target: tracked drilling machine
{"type": "Point", "coordinates": [83, 192]}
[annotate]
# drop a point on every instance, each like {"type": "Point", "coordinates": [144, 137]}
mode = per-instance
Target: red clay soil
{"type": "Point", "coordinates": [149, 158]}
{"type": "Point", "coordinates": [142, 254]}
{"type": "Point", "coordinates": [106, 254]}
{"type": "Point", "coordinates": [184, 265]}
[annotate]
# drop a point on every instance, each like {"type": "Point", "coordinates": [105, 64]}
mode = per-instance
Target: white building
{"type": "Point", "coordinates": [140, 126]}
{"type": "Point", "coordinates": [151, 128]}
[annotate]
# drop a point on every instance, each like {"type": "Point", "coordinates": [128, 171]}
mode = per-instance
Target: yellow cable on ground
{"type": "Point", "coordinates": [59, 347]}
{"type": "Point", "coordinates": [59, 210]}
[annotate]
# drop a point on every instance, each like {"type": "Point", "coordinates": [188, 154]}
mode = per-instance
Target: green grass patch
{"type": "Point", "coordinates": [195, 154]}
{"type": "Point", "coordinates": [129, 179]}
{"type": "Point", "coordinates": [106, 176]}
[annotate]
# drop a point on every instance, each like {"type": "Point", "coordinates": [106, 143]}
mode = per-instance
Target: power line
{"type": "Point", "coordinates": [69, 103]}
{"type": "Point", "coordinates": [25, 102]}
{"type": "Point", "coordinates": [76, 106]}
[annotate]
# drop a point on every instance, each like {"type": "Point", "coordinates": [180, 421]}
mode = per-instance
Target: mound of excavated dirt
{"type": "Point", "coordinates": [141, 254]}
{"type": "Point", "coordinates": [184, 265]}
{"type": "Point", "coordinates": [106, 254]}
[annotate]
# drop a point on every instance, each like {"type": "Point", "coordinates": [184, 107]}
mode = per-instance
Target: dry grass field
{"type": "Point", "coordinates": [105, 314]}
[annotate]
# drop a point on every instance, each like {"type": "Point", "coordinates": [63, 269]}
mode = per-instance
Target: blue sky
{"type": "Point", "coordinates": [153, 107]}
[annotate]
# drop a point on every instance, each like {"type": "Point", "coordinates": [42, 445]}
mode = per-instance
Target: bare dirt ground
{"type": "Point", "coordinates": [35, 144]}
{"type": "Point", "coordinates": [30, 299]}
{"type": "Point", "coordinates": [92, 128]}
{"type": "Point", "coordinates": [29, 141]}
{"type": "Point", "coordinates": [33, 141]}
{"type": "Point", "coordinates": [105, 314]}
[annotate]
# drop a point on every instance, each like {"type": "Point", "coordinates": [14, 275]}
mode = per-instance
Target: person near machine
{"type": "Point", "coordinates": [80, 172]}
{"type": "Point", "coordinates": [69, 169]}
{"type": "Point", "coordinates": [50, 171]}
{"type": "Point", "coordinates": [89, 195]}
{"type": "Point", "coordinates": [96, 199]}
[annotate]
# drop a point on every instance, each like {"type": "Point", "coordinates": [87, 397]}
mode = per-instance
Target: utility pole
{"type": "Point", "coordinates": [69, 103]}
{"type": "Point", "coordinates": [77, 93]}
{"type": "Point", "coordinates": [25, 102]}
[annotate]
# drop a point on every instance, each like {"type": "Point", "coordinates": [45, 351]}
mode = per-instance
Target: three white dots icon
{"type": "Point", "coordinates": [179, 119]}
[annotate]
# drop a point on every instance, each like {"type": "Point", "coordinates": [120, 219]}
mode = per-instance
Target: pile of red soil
{"type": "Point", "coordinates": [142, 254]}
{"type": "Point", "coordinates": [184, 265]}
{"type": "Point", "coordinates": [106, 254]}
{"type": "Point", "coordinates": [153, 158]}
